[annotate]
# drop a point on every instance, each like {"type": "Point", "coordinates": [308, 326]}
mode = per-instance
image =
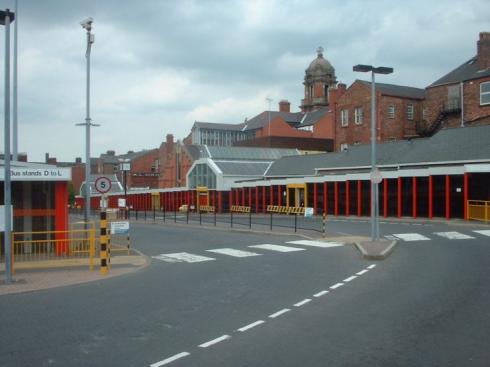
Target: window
{"type": "Point", "coordinates": [424, 114]}
{"type": "Point", "coordinates": [485, 93]}
{"type": "Point", "coordinates": [410, 111]}
{"type": "Point", "coordinates": [391, 111]}
{"type": "Point", "coordinates": [344, 117]}
{"type": "Point", "coordinates": [358, 115]}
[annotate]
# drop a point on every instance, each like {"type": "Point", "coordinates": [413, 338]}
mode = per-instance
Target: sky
{"type": "Point", "coordinates": [157, 66]}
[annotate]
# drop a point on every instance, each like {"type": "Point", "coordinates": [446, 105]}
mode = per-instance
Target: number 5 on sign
{"type": "Point", "coordinates": [103, 184]}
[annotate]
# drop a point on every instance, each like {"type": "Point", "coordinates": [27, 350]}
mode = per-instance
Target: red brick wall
{"type": "Point", "coordinates": [141, 174]}
{"type": "Point", "coordinates": [168, 168]}
{"type": "Point", "coordinates": [359, 95]}
{"type": "Point", "coordinates": [77, 177]}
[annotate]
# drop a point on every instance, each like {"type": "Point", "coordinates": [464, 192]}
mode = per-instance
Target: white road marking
{"type": "Point", "coordinates": [454, 235]}
{"type": "Point", "coordinates": [171, 359]}
{"type": "Point", "coordinates": [484, 232]}
{"type": "Point", "coordinates": [391, 238]}
{"type": "Point", "coordinates": [214, 341]}
{"type": "Point", "coordinates": [303, 302]}
{"type": "Point", "coordinates": [233, 252]}
{"type": "Point", "coordinates": [372, 266]}
{"type": "Point", "coordinates": [279, 313]}
{"type": "Point", "coordinates": [319, 294]}
{"type": "Point", "coordinates": [411, 237]}
{"type": "Point", "coordinates": [335, 286]}
{"type": "Point", "coordinates": [362, 272]}
{"type": "Point", "coordinates": [349, 279]}
{"type": "Point", "coordinates": [316, 243]}
{"type": "Point", "coordinates": [277, 248]}
{"type": "Point", "coordinates": [182, 257]}
{"type": "Point", "coordinates": [416, 224]}
{"type": "Point", "coordinates": [249, 326]}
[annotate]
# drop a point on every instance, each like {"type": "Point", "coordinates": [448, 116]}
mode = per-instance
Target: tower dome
{"type": "Point", "coordinates": [320, 66]}
{"type": "Point", "coordinates": [319, 77]}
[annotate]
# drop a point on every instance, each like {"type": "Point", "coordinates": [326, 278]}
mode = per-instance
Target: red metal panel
{"type": "Point", "coordinates": [399, 197]}
{"type": "Point", "coordinates": [231, 198]}
{"type": "Point", "coordinates": [414, 197]}
{"type": "Point", "coordinates": [448, 197]}
{"type": "Point", "coordinates": [279, 197]}
{"type": "Point", "coordinates": [256, 199]}
{"type": "Point", "coordinates": [359, 198]}
{"type": "Point", "coordinates": [347, 198]}
{"type": "Point", "coordinates": [220, 202]}
{"type": "Point", "coordinates": [336, 198]}
{"type": "Point", "coordinates": [325, 198]}
{"type": "Point", "coordinates": [243, 197]}
{"type": "Point", "coordinates": [431, 197]}
{"type": "Point", "coordinates": [466, 188]}
{"type": "Point", "coordinates": [385, 197]}
{"type": "Point", "coordinates": [271, 191]}
{"type": "Point", "coordinates": [61, 215]}
{"type": "Point", "coordinates": [263, 200]}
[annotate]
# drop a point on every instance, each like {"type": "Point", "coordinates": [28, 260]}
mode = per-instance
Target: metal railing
{"type": "Point", "coordinates": [478, 210]}
{"type": "Point", "coordinates": [47, 246]}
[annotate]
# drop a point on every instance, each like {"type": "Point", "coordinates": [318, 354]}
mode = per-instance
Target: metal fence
{"type": "Point", "coordinates": [478, 210]}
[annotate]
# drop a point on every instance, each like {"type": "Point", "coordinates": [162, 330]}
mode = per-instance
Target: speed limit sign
{"type": "Point", "coordinates": [103, 184]}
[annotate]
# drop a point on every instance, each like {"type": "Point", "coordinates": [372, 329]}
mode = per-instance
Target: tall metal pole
{"type": "Point", "coordinates": [374, 186]}
{"type": "Point", "coordinates": [6, 185]}
{"type": "Point", "coordinates": [87, 134]}
{"type": "Point", "coordinates": [15, 139]}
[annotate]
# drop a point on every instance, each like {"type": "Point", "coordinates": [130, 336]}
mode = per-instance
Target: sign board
{"type": "Point", "coordinates": [121, 203]}
{"type": "Point", "coordinates": [119, 227]}
{"type": "Point", "coordinates": [376, 176]}
{"type": "Point", "coordinates": [2, 219]}
{"type": "Point", "coordinates": [38, 174]}
{"type": "Point", "coordinates": [103, 184]}
{"type": "Point", "coordinates": [103, 202]}
{"type": "Point", "coordinates": [125, 167]}
{"type": "Point", "coordinates": [309, 212]}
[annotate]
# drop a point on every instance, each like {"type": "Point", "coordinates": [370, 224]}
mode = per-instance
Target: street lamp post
{"type": "Point", "coordinates": [375, 174]}
{"type": "Point", "coordinates": [87, 25]}
{"type": "Point", "coordinates": [6, 17]}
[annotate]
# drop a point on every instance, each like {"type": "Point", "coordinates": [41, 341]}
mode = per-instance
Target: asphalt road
{"type": "Point", "coordinates": [426, 305]}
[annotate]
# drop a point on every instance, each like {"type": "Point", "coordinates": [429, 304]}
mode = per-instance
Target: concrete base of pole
{"type": "Point", "coordinates": [376, 250]}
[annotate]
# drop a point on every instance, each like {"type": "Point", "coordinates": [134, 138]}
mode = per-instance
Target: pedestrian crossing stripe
{"type": "Point", "coordinates": [179, 257]}
{"type": "Point", "coordinates": [484, 232]}
{"type": "Point", "coordinates": [409, 237]}
{"type": "Point", "coordinates": [278, 248]}
{"type": "Point", "coordinates": [316, 243]}
{"type": "Point", "coordinates": [233, 252]}
{"type": "Point", "coordinates": [454, 235]}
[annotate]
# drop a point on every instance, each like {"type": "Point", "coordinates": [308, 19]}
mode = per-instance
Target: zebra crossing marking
{"type": "Point", "coordinates": [316, 243]}
{"type": "Point", "coordinates": [484, 232]}
{"type": "Point", "coordinates": [179, 257]}
{"type": "Point", "coordinates": [409, 237]}
{"type": "Point", "coordinates": [278, 248]}
{"type": "Point", "coordinates": [454, 235]}
{"type": "Point", "coordinates": [233, 252]}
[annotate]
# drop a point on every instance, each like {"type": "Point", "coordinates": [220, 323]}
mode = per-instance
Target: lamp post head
{"type": "Point", "coordinates": [362, 68]}
{"type": "Point", "coordinates": [377, 70]}
{"type": "Point", "coordinates": [4, 14]}
{"type": "Point", "coordinates": [87, 24]}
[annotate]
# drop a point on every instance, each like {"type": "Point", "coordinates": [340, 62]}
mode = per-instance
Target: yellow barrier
{"type": "Point", "coordinates": [45, 246]}
{"type": "Point", "coordinates": [285, 209]}
{"type": "Point", "coordinates": [240, 209]}
{"type": "Point", "coordinates": [478, 210]}
{"type": "Point", "coordinates": [206, 208]}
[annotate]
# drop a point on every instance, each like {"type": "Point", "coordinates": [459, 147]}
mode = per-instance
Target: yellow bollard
{"type": "Point", "coordinates": [103, 241]}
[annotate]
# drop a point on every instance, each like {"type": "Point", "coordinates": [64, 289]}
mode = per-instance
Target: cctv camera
{"type": "Point", "coordinates": [87, 23]}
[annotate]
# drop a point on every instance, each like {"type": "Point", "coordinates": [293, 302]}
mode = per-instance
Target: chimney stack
{"type": "Point", "coordinates": [483, 51]}
{"type": "Point", "coordinates": [284, 106]}
{"type": "Point", "coordinates": [78, 160]}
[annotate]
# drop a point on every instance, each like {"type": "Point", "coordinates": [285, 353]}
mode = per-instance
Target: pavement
{"type": "Point", "coordinates": [39, 275]}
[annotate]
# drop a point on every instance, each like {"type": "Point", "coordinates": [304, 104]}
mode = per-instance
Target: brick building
{"type": "Point", "coordinates": [461, 97]}
{"type": "Point", "coordinates": [398, 108]}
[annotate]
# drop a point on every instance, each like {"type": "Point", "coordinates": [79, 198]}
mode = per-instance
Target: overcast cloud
{"type": "Point", "coordinates": [158, 66]}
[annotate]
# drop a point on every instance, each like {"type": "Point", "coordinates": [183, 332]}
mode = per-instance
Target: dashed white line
{"type": "Point", "coordinates": [279, 313]}
{"type": "Point", "coordinates": [372, 266]}
{"type": "Point", "coordinates": [319, 294]}
{"type": "Point", "coordinates": [214, 341]}
{"type": "Point", "coordinates": [170, 359]}
{"type": "Point", "coordinates": [349, 279]}
{"type": "Point", "coordinates": [303, 302]}
{"type": "Point", "coordinates": [362, 272]}
{"type": "Point", "coordinates": [249, 326]}
{"type": "Point", "coordinates": [335, 286]}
